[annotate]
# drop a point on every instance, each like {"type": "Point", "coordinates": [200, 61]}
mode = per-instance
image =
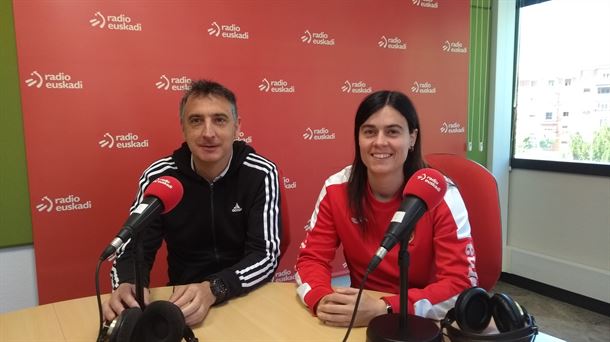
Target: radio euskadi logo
{"type": "Point", "coordinates": [285, 275]}
{"type": "Point", "coordinates": [60, 80]}
{"type": "Point", "coordinates": [455, 47]}
{"type": "Point", "coordinates": [181, 83]}
{"type": "Point", "coordinates": [430, 180]}
{"type": "Point", "coordinates": [391, 43]}
{"type": "Point", "coordinates": [359, 87]}
{"type": "Point", "coordinates": [230, 31]}
{"type": "Point", "coordinates": [425, 3]}
{"type": "Point", "coordinates": [121, 22]}
{"type": "Point", "coordinates": [275, 86]}
{"type": "Point", "coordinates": [318, 134]}
{"type": "Point", "coordinates": [452, 128]}
{"type": "Point", "coordinates": [67, 203]}
{"type": "Point", "coordinates": [288, 184]}
{"type": "Point", "coordinates": [423, 88]}
{"type": "Point", "coordinates": [317, 38]}
{"type": "Point", "coordinates": [241, 136]}
{"type": "Point", "coordinates": [122, 141]}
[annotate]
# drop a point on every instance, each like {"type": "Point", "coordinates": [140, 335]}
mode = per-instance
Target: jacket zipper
{"type": "Point", "coordinates": [213, 225]}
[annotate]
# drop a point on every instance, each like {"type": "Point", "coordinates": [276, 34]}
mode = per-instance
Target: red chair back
{"type": "Point", "coordinates": [479, 190]}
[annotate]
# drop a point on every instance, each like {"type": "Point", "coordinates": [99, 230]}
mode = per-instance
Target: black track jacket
{"type": "Point", "coordinates": [228, 229]}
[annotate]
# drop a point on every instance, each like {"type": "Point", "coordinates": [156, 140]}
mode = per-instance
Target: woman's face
{"type": "Point", "coordinates": [385, 140]}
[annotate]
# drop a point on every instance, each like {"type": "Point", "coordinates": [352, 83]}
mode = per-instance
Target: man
{"type": "Point", "coordinates": [223, 237]}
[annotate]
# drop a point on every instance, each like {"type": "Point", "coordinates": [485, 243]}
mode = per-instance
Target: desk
{"type": "Point", "coordinates": [270, 313]}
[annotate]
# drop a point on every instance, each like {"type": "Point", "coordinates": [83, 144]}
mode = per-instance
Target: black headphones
{"type": "Point", "coordinates": [473, 311]}
{"type": "Point", "coordinates": [160, 321]}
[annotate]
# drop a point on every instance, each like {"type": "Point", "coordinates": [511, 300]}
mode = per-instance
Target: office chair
{"type": "Point", "coordinates": [479, 190]}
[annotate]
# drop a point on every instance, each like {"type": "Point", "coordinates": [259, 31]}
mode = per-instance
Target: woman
{"type": "Point", "coordinates": [354, 209]}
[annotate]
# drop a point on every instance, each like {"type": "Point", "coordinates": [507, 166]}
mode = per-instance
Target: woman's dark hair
{"type": "Point", "coordinates": [374, 102]}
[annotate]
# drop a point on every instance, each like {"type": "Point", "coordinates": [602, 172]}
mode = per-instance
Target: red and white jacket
{"type": "Point", "coordinates": [442, 259]}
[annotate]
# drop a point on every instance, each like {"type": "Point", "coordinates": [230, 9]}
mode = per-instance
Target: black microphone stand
{"type": "Point", "coordinates": [138, 260]}
{"type": "Point", "coordinates": [402, 327]}
{"type": "Point", "coordinates": [165, 331]}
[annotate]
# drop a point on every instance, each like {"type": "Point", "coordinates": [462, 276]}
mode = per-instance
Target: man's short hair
{"type": "Point", "coordinates": [202, 88]}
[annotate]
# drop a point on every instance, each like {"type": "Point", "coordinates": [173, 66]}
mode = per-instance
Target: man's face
{"type": "Point", "coordinates": [209, 130]}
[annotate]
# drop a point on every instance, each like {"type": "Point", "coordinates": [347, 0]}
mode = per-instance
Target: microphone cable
{"type": "Point", "coordinates": [351, 323]}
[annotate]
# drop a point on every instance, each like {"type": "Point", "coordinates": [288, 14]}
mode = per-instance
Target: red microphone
{"type": "Point", "coordinates": [161, 196]}
{"type": "Point", "coordinates": [424, 191]}
{"type": "Point", "coordinates": [166, 189]}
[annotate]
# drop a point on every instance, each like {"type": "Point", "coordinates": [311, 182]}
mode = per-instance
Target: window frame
{"type": "Point", "coordinates": [535, 164]}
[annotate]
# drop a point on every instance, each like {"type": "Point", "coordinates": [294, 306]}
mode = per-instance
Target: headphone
{"type": "Point", "coordinates": [473, 311]}
{"type": "Point", "coordinates": [160, 321]}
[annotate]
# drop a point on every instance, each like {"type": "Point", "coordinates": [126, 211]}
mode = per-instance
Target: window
{"type": "Point", "coordinates": [563, 62]}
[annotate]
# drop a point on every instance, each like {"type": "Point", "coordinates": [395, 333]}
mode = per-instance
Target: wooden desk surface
{"type": "Point", "coordinates": [270, 313]}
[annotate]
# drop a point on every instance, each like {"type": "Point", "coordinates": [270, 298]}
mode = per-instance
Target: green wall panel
{"type": "Point", "coordinates": [15, 216]}
{"type": "Point", "coordinates": [478, 82]}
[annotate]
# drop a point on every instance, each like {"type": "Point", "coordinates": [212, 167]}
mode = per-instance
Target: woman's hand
{"type": "Point", "coordinates": [336, 308]}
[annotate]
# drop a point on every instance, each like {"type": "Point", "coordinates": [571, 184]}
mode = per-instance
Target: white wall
{"type": "Point", "coordinates": [17, 278]}
{"type": "Point", "coordinates": [559, 230]}
{"type": "Point", "coordinates": [556, 226]}
{"type": "Point", "coordinates": [500, 101]}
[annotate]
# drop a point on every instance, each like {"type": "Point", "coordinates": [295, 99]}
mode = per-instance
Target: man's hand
{"type": "Point", "coordinates": [122, 298]}
{"type": "Point", "coordinates": [194, 300]}
{"type": "Point", "coordinates": [336, 308]}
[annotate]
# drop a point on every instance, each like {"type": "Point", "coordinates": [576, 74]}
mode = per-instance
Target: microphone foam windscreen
{"type": "Point", "coordinates": [427, 184]}
{"type": "Point", "coordinates": [167, 189]}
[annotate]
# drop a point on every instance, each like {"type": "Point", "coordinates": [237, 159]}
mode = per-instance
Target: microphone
{"type": "Point", "coordinates": [160, 197]}
{"type": "Point", "coordinates": [423, 191]}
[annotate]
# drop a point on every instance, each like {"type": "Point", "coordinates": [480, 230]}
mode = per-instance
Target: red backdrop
{"type": "Point", "coordinates": [101, 82]}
